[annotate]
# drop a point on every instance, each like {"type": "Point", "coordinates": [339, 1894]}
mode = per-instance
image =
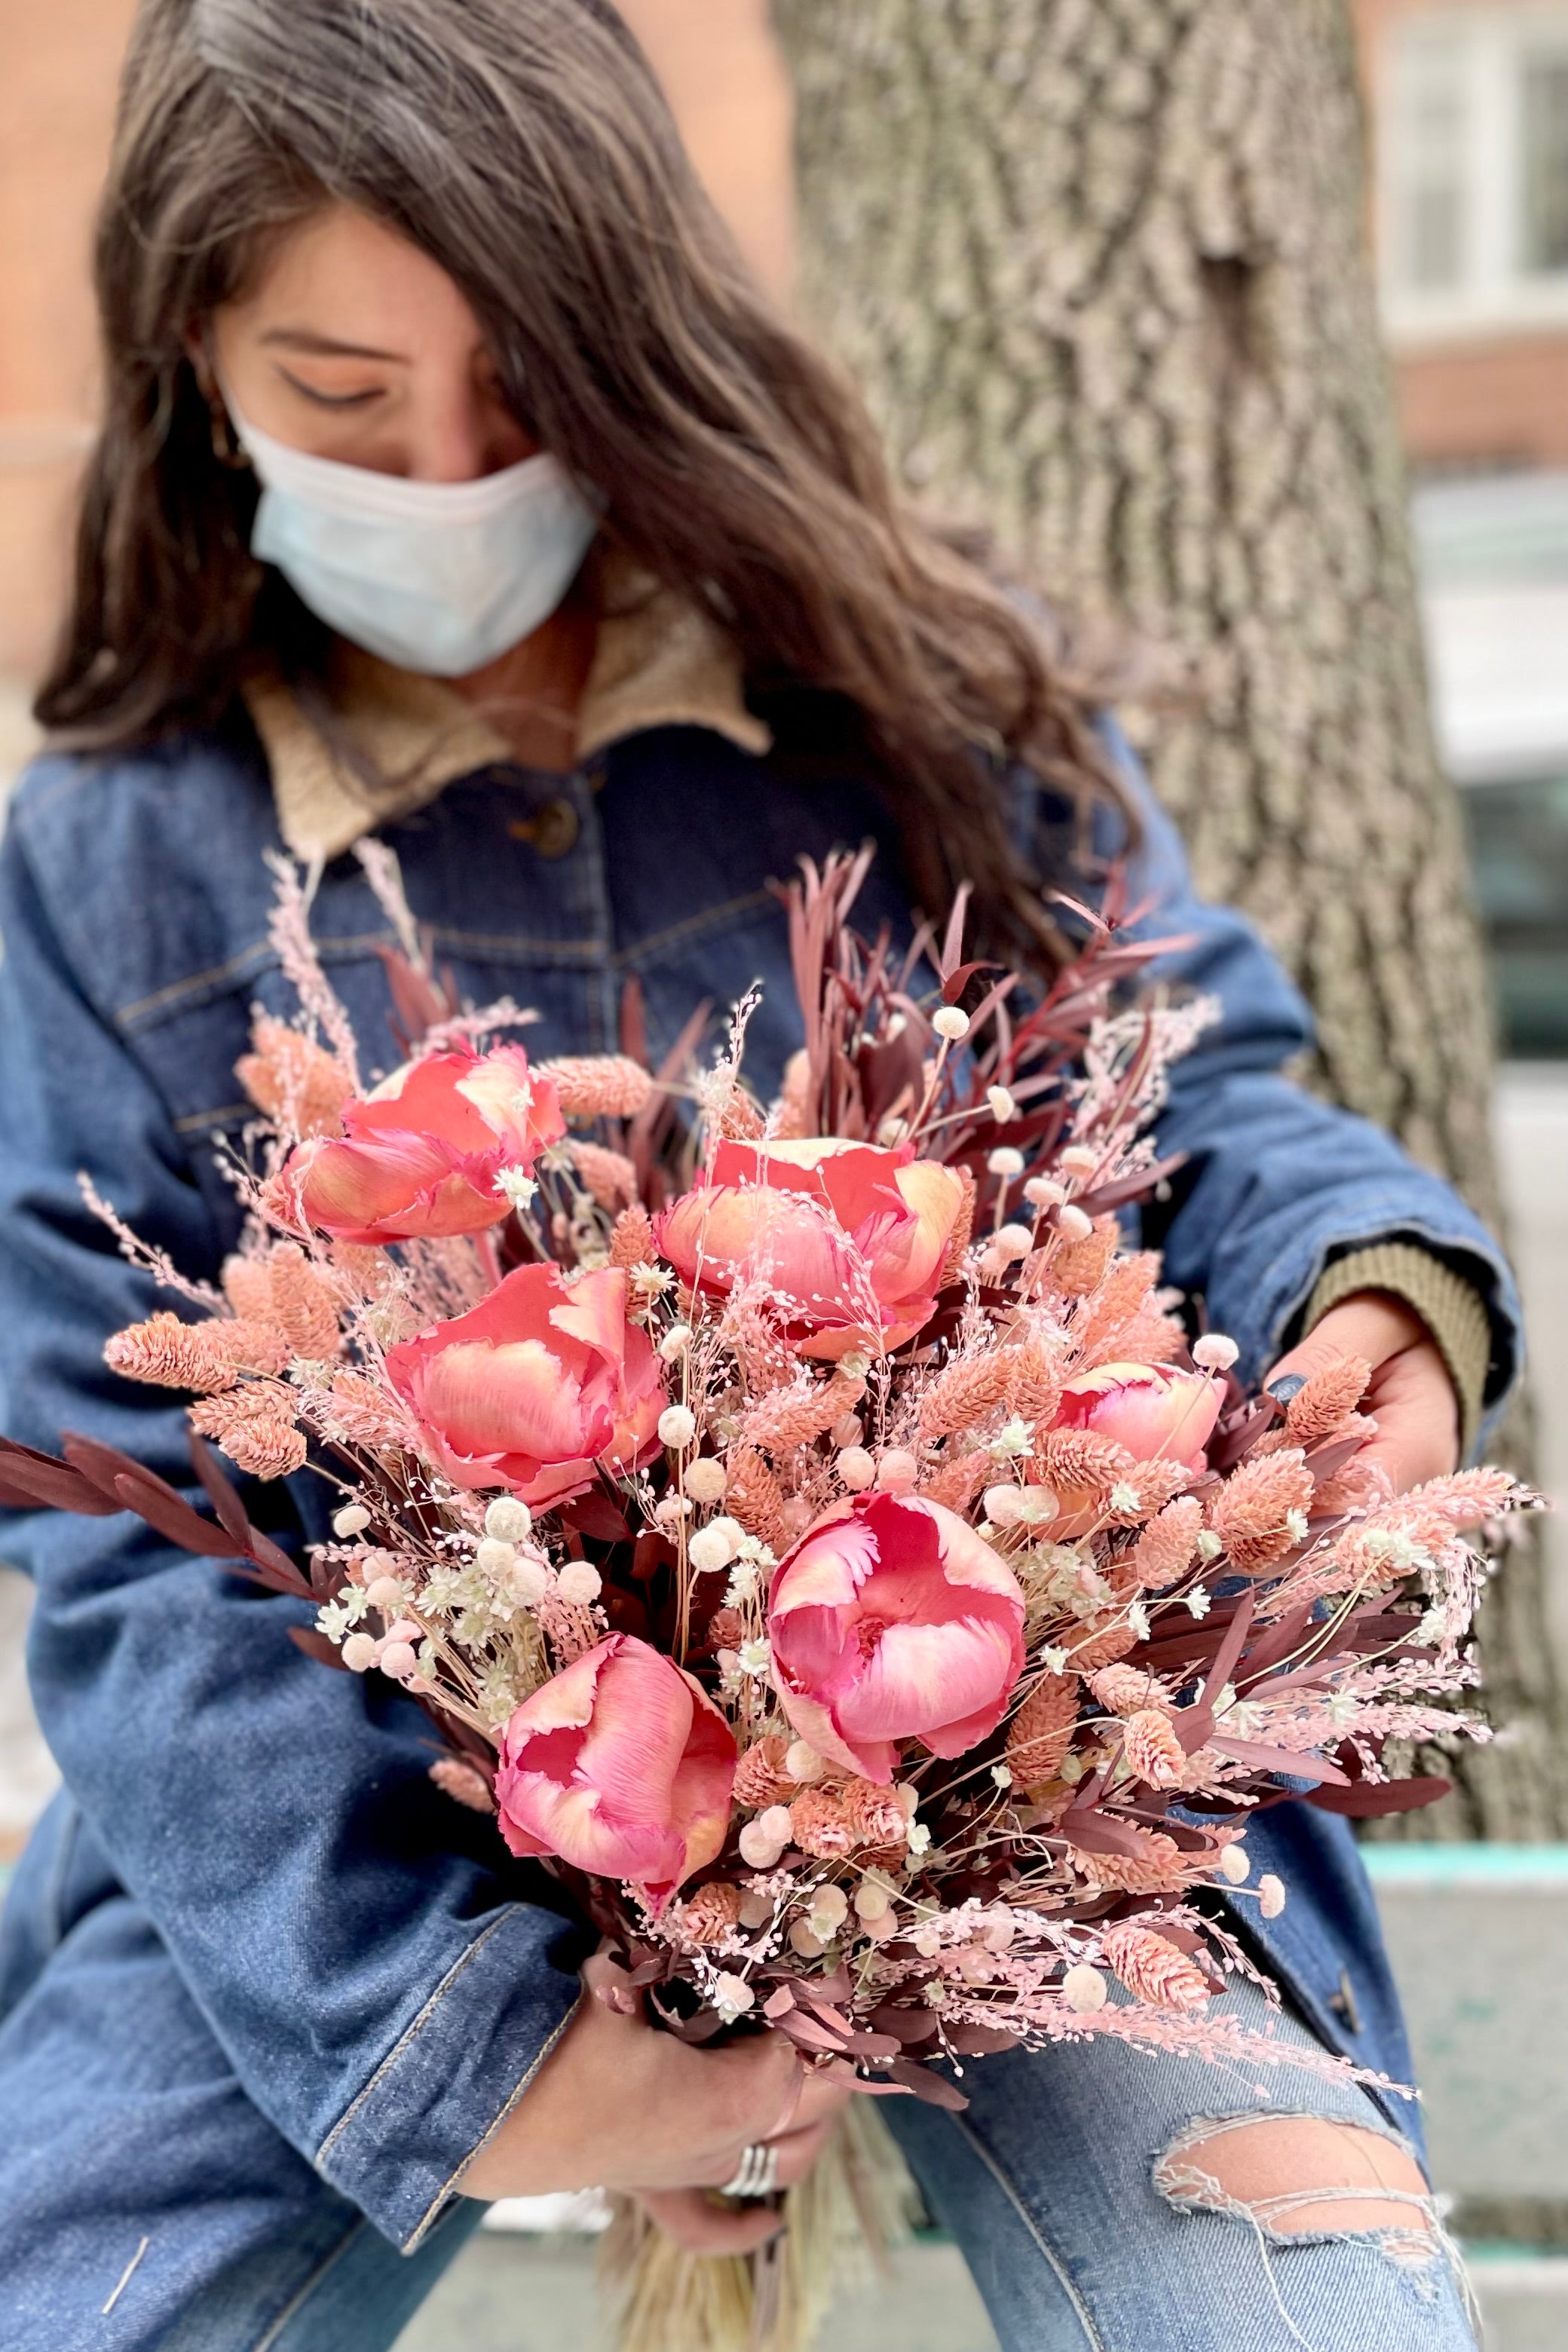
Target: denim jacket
{"type": "Point", "coordinates": [382, 1977]}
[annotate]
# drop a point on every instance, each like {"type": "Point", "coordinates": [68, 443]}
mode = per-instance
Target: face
{"type": "Point", "coordinates": [355, 345]}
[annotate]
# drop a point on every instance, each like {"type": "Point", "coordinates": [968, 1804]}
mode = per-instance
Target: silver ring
{"type": "Point", "coordinates": [757, 2174]}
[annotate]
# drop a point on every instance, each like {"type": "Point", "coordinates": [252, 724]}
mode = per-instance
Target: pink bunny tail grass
{"type": "Point", "coordinates": [172, 1355]}
{"type": "Point", "coordinates": [599, 1085]}
{"type": "Point", "coordinates": [254, 1346]}
{"type": "Point", "coordinates": [958, 1480]}
{"type": "Point", "coordinates": [1127, 1690]}
{"type": "Point", "coordinates": [1158, 1865]}
{"type": "Point", "coordinates": [607, 1176]}
{"type": "Point", "coordinates": [1078, 1267]}
{"type": "Point", "coordinates": [1040, 1734]}
{"type": "Point", "coordinates": [220, 1417]}
{"type": "Point", "coordinates": [1120, 1297]}
{"type": "Point", "coordinates": [1326, 1400]}
{"type": "Point", "coordinates": [248, 1287]}
{"type": "Point", "coordinates": [632, 1242]}
{"type": "Point", "coordinates": [265, 1447]}
{"type": "Point", "coordinates": [954, 1264]}
{"type": "Point", "coordinates": [302, 1088]}
{"type": "Point", "coordinates": [302, 1304]}
{"type": "Point", "coordinates": [792, 1417]}
{"type": "Point", "coordinates": [1153, 1970]}
{"type": "Point", "coordinates": [1102, 1641]}
{"type": "Point", "coordinates": [1151, 1749]}
{"type": "Point", "coordinates": [464, 1782]}
{"type": "Point", "coordinates": [964, 1395]}
{"type": "Point", "coordinates": [1165, 1549]}
{"type": "Point", "coordinates": [755, 1497]}
{"type": "Point", "coordinates": [1249, 1513]}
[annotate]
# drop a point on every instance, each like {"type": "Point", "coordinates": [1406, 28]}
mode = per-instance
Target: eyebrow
{"type": "Point", "coordinates": [301, 339]}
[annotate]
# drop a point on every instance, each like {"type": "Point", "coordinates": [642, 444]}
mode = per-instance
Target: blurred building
{"type": "Point", "coordinates": [1469, 108]}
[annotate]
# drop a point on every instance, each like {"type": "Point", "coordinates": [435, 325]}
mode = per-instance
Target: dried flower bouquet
{"type": "Point", "coordinates": [818, 1537]}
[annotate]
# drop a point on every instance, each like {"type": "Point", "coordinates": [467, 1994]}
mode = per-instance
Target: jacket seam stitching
{"type": "Point", "coordinates": [297, 2301]}
{"type": "Point", "coordinates": [998, 2173]}
{"type": "Point", "coordinates": [524, 2081]}
{"type": "Point", "coordinates": [708, 919]}
{"type": "Point", "coordinates": [407, 2038]}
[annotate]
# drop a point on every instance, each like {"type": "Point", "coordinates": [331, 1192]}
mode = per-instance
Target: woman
{"type": "Point", "coordinates": [456, 485]}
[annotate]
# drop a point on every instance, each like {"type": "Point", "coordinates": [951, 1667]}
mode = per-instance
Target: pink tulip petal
{"type": "Point", "coordinates": [919, 1678]}
{"type": "Point", "coordinates": [512, 1399]}
{"type": "Point", "coordinates": [873, 1760]}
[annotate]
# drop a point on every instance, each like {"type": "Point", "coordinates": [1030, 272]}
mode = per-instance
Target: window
{"type": "Point", "coordinates": [1473, 171]}
{"type": "Point", "coordinates": [1543, 161]}
{"type": "Point", "coordinates": [1519, 860]}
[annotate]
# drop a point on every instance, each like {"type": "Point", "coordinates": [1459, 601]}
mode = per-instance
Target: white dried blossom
{"type": "Point", "coordinates": [508, 1519]}
{"type": "Point", "coordinates": [951, 1022]}
{"type": "Point", "coordinates": [706, 1480]}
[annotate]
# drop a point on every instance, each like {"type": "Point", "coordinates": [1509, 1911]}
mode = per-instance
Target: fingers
{"type": "Point", "coordinates": [1411, 1395]}
{"type": "Point", "coordinates": [610, 1986]}
{"type": "Point", "coordinates": [1371, 1325]}
{"type": "Point", "coordinates": [690, 2217]}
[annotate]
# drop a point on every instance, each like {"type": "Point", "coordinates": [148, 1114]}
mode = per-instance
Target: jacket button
{"type": "Point", "coordinates": [551, 831]}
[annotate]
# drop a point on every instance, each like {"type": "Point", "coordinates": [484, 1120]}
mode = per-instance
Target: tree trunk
{"type": "Point", "coordinates": [1101, 267]}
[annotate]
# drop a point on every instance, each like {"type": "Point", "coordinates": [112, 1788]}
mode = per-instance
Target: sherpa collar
{"type": "Point", "coordinates": [658, 661]}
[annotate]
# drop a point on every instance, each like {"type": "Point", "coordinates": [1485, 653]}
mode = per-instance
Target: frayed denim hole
{"type": "Point", "coordinates": [1424, 2254]}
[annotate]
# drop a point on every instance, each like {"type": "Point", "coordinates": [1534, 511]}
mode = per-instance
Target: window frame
{"type": "Point", "coordinates": [1494, 292]}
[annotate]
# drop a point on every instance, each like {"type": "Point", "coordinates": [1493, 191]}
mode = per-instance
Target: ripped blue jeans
{"type": "Point", "coordinates": [147, 2205]}
{"type": "Point", "coordinates": [1087, 2188]}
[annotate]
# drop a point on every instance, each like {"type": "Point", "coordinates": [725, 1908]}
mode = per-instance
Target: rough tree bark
{"type": "Point", "coordinates": [1101, 267]}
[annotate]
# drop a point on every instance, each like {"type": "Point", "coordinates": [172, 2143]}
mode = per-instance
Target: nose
{"type": "Point", "coordinates": [465, 432]}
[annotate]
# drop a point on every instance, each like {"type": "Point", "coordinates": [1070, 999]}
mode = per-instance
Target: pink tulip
{"type": "Point", "coordinates": [535, 1387]}
{"type": "Point", "coordinates": [851, 1237]}
{"type": "Point", "coordinates": [420, 1157]}
{"type": "Point", "coordinates": [621, 1765]}
{"type": "Point", "coordinates": [1157, 1414]}
{"type": "Point", "coordinates": [891, 1619]}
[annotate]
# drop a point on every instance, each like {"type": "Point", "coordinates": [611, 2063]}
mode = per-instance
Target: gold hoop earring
{"type": "Point", "coordinates": [227, 447]}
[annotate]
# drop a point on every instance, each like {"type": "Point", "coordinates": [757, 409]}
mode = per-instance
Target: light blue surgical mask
{"type": "Point", "coordinates": [438, 577]}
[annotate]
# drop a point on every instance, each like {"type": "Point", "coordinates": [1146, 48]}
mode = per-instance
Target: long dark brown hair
{"type": "Point", "coordinates": [525, 146]}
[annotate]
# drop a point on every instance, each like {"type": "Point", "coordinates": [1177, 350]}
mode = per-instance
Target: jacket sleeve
{"type": "Point", "coordinates": [1285, 1203]}
{"type": "Point", "coordinates": [378, 1972]}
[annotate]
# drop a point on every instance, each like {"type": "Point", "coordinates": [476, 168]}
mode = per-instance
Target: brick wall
{"type": "Point", "coordinates": [1476, 401]}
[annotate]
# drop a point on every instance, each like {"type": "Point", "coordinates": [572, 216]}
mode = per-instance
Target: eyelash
{"type": "Point", "coordinates": [328, 399]}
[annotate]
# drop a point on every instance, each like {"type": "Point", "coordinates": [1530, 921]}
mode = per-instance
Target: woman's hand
{"type": "Point", "coordinates": [1411, 1395]}
{"type": "Point", "coordinates": [619, 2103]}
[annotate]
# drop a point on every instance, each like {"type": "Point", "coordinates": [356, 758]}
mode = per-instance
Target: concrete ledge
{"type": "Point", "coordinates": [513, 2294]}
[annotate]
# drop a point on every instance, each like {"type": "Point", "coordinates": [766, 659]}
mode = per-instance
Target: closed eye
{"type": "Point", "coordinates": [331, 399]}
